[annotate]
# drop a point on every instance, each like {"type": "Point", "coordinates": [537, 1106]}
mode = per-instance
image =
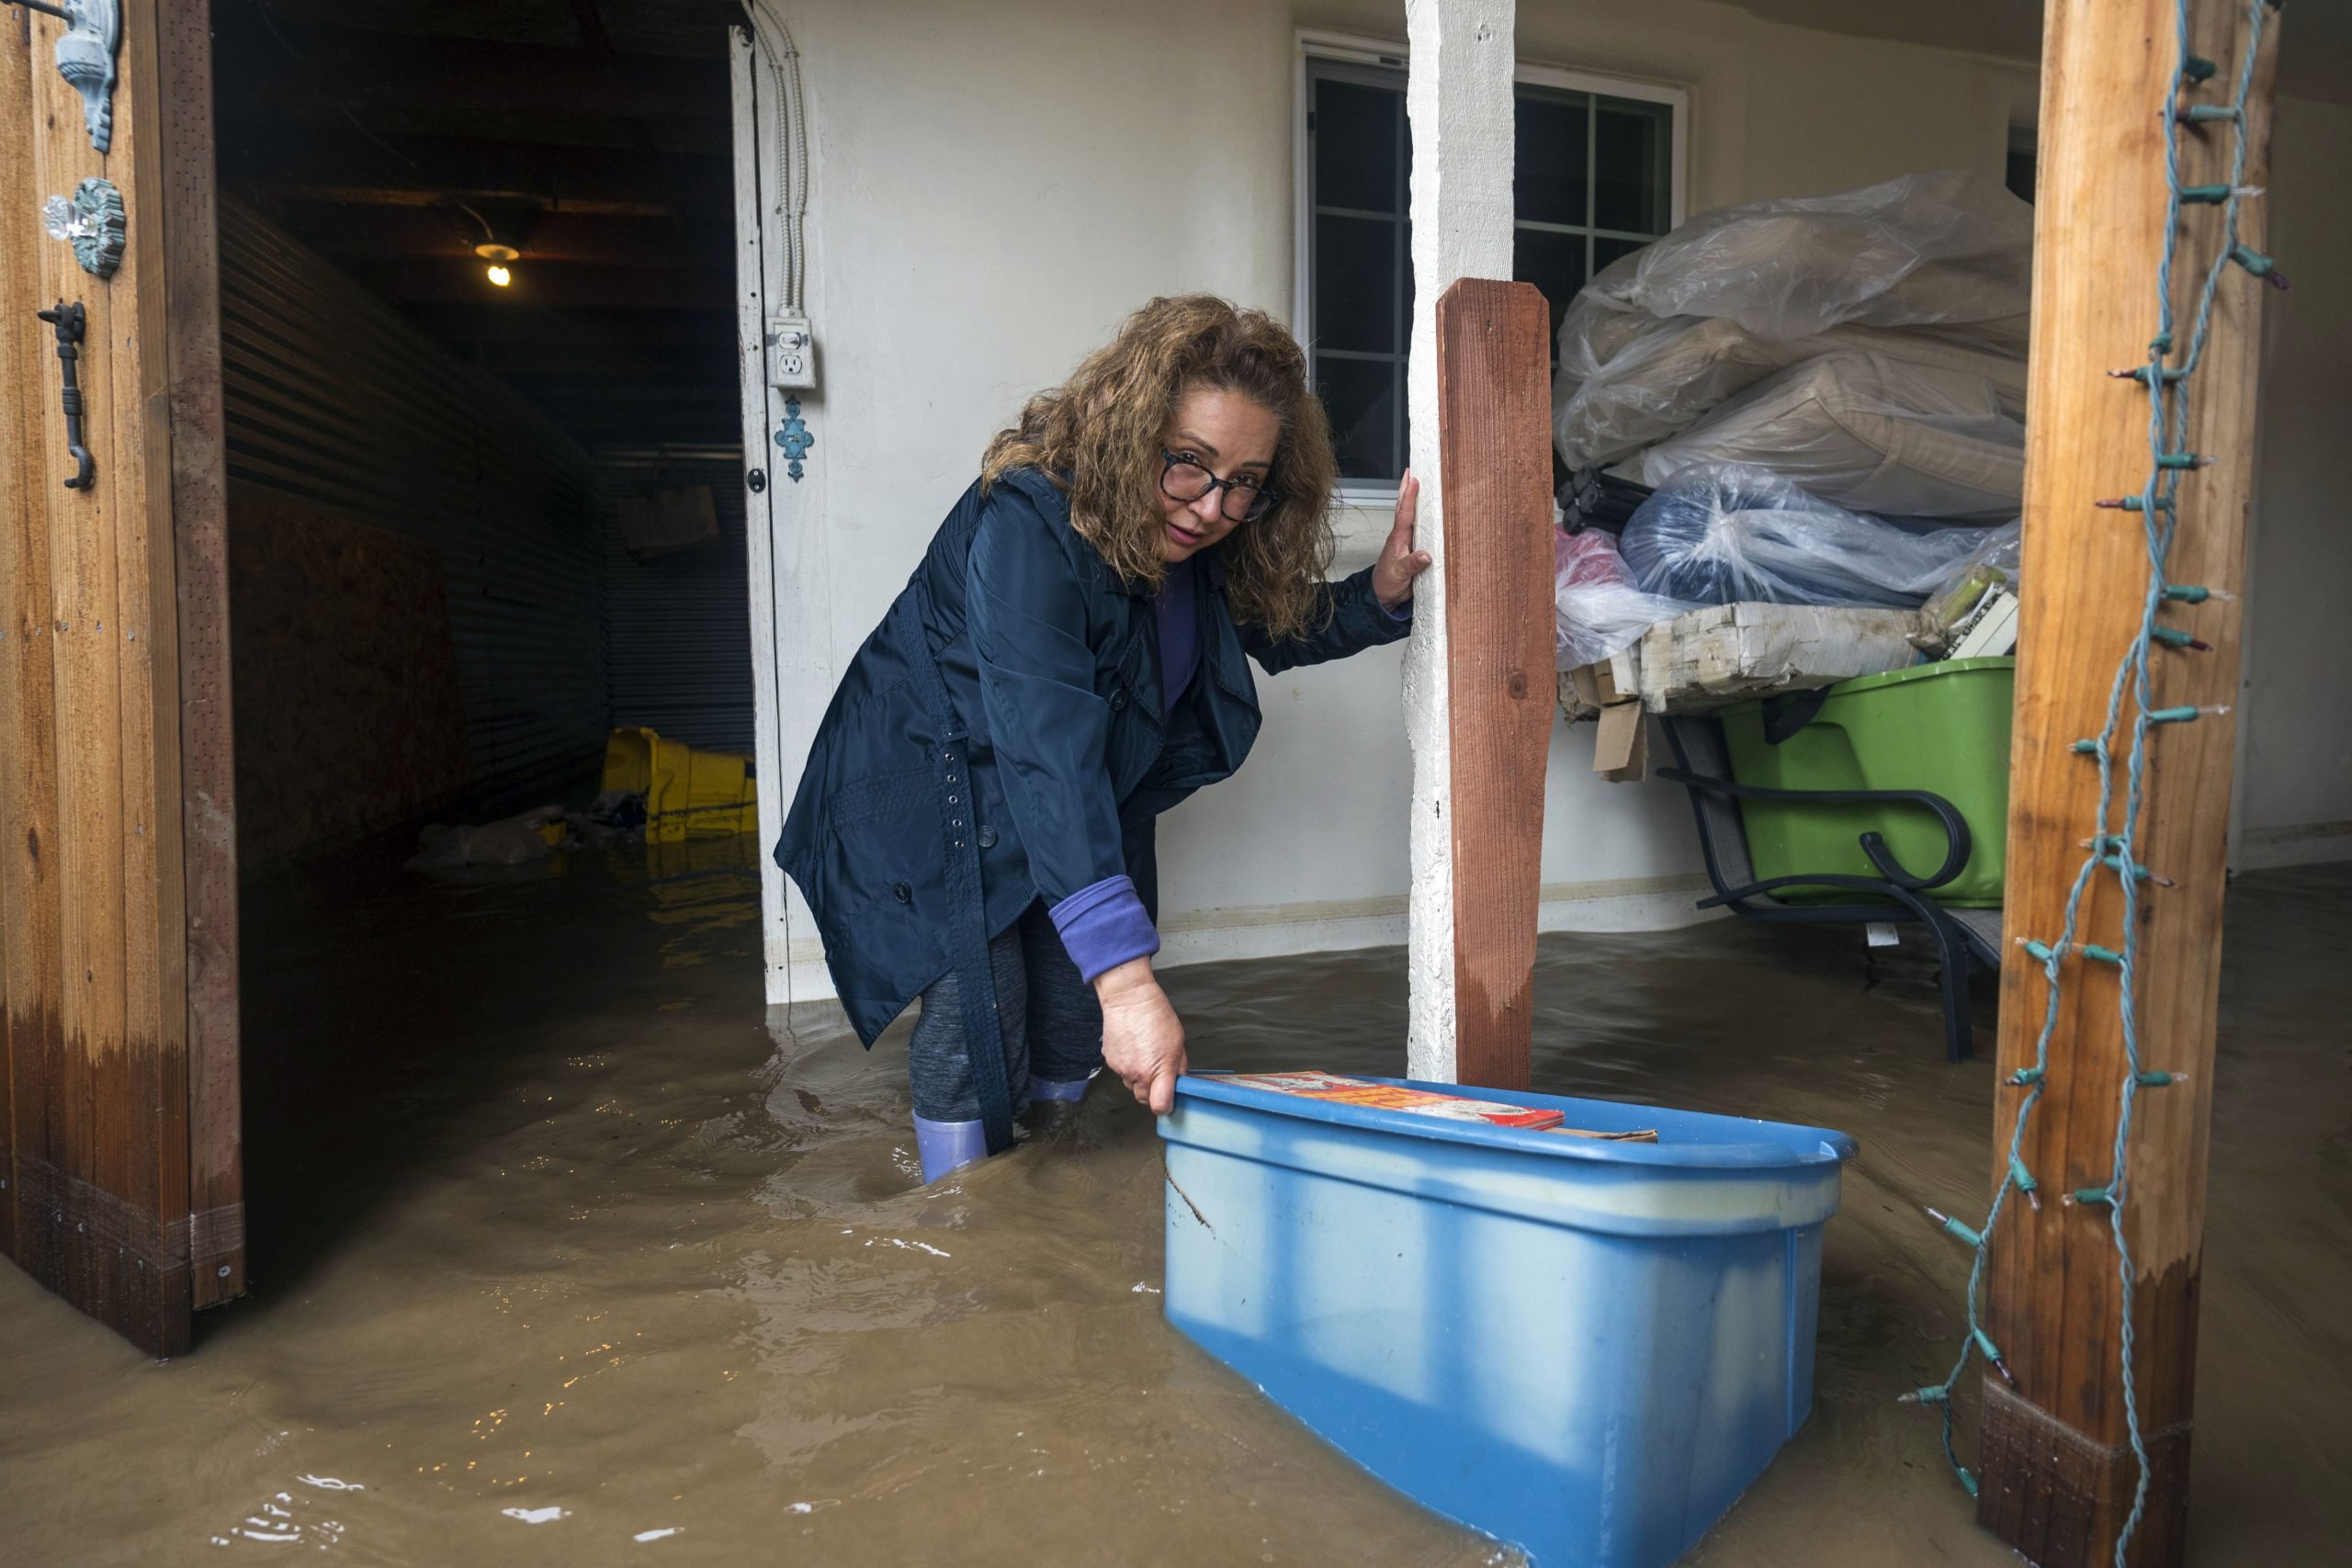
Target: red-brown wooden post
{"type": "Point", "coordinates": [1495, 428]}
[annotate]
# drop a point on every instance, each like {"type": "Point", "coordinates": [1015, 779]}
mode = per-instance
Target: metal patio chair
{"type": "Point", "coordinates": [1966, 939]}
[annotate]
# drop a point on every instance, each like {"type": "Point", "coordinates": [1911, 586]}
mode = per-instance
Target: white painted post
{"type": "Point", "coordinates": [792, 674]}
{"type": "Point", "coordinates": [1458, 98]}
{"type": "Point", "coordinates": [751, 313]}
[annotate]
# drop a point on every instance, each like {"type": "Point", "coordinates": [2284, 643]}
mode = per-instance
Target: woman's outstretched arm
{"type": "Point", "coordinates": [1367, 610]}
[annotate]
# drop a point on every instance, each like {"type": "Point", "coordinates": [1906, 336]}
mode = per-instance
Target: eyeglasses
{"type": "Point", "coordinates": [1245, 499]}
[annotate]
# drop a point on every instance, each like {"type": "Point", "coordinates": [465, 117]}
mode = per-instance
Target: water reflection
{"type": "Point", "coordinates": [569, 1252]}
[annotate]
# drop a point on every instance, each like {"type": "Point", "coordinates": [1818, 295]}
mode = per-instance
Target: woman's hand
{"type": "Point", "coordinates": [1143, 1040]}
{"type": "Point", "coordinates": [1392, 578]}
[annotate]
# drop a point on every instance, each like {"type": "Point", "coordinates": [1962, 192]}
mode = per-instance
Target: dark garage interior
{"type": "Point", "coordinates": [436, 613]}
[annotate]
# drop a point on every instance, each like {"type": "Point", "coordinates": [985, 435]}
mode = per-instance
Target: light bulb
{"type": "Point", "coordinates": [501, 277]}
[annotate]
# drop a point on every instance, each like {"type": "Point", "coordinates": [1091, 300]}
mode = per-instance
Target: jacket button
{"type": "Point", "coordinates": [902, 893]}
{"type": "Point", "coordinates": [1118, 701]}
{"type": "Point", "coordinates": [988, 837]}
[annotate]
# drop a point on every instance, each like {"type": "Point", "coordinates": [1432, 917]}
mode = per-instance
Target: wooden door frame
{"type": "Point", "coordinates": [119, 1119]}
{"type": "Point", "coordinates": [185, 174]}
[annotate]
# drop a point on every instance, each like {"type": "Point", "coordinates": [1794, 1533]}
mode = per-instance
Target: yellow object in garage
{"type": "Point", "coordinates": [705, 794]}
{"type": "Point", "coordinates": [721, 796]}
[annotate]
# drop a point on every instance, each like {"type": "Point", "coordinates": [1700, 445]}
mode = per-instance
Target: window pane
{"type": "Point", "coordinates": [1554, 263]}
{"type": "Point", "coordinates": [1355, 283]}
{"type": "Point", "coordinates": [1604, 252]}
{"type": "Point", "coordinates": [1583, 161]}
{"type": "Point", "coordinates": [1548, 139]}
{"type": "Point", "coordinates": [1630, 166]}
{"type": "Point", "coordinates": [1355, 146]}
{"type": "Point", "coordinates": [1361, 397]}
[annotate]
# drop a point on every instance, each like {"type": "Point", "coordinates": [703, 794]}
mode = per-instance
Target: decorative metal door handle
{"type": "Point", "coordinates": [69, 321]}
{"type": "Point", "coordinates": [92, 221]}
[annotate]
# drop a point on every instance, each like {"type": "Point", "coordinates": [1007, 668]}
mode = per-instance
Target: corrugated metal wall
{"type": "Point", "coordinates": [678, 628]}
{"type": "Point", "coordinates": [332, 396]}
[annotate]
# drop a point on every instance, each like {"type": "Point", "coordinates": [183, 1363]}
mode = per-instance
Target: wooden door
{"type": "Point", "coordinates": [118, 1112]}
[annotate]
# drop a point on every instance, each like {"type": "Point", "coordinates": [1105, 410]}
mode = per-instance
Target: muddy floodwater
{"type": "Point", "coordinates": [565, 1250]}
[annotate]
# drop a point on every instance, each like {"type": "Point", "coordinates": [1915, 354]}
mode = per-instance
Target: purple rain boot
{"type": "Point", "coordinates": [948, 1147]}
{"type": "Point", "coordinates": [1059, 1091]}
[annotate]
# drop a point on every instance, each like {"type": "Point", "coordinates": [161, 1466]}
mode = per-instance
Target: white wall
{"type": "Point", "coordinates": [2296, 781]}
{"type": "Point", "coordinates": [995, 186]}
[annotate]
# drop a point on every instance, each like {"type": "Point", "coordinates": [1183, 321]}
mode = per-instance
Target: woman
{"type": "Point", "coordinates": [975, 823]}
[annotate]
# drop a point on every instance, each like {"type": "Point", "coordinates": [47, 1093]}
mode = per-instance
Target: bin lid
{"type": "Point", "coordinates": [1686, 1139]}
{"type": "Point", "coordinates": [1922, 673]}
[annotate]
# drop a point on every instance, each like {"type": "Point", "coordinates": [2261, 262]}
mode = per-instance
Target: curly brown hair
{"type": "Point", "coordinates": [1098, 436]}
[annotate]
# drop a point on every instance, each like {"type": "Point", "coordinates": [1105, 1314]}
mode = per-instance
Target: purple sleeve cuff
{"type": "Point", "coordinates": [1403, 612]}
{"type": "Point", "coordinates": [1103, 925]}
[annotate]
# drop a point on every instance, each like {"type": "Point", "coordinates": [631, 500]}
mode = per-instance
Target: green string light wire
{"type": "Point", "coordinates": [2116, 852]}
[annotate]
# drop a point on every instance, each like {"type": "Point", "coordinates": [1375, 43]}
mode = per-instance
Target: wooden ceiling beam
{"type": "Point", "coordinates": [395, 126]}
{"type": "Point", "coordinates": [673, 29]}
{"type": "Point", "coordinates": [437, 279]}
{"type": "Point", "coordinates": [401, 196]}
{"type": "Point", "coordinates": [329, 165]}
{"type": "Point", "coordinates": [356, 67]}
{"type": "Point", "coordinates": [366, 233]}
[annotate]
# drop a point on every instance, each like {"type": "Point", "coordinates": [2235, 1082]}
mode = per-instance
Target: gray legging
{"type": "Point", "coordinates": [1053, 1026]}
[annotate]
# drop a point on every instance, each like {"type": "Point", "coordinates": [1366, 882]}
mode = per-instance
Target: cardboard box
{"type": "Point", "coordinates": [1610, 692]}
{"type": "Point", "coordinates": [1620, 750]}
{"type": "Point", "coordinates": [1587, 689]}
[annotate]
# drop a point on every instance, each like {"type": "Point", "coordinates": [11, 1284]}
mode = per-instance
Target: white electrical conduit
{"type": "Point", "coordinates": [792, 143]}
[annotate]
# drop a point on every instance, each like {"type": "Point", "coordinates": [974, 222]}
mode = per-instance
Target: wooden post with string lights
{"type": "Point", "coordinates": [2059, 1473]}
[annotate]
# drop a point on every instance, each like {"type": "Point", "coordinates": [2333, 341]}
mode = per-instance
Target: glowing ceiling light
{"type": "Point", "coordinates": [500, 245]}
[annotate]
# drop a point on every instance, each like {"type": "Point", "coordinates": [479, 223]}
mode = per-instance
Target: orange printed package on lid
{"type": "Point", "coordinates": [1333, 1088]}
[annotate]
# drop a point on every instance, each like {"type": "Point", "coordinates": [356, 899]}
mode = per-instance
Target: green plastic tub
{"type": "Point", "coordinates": [1943, 727]}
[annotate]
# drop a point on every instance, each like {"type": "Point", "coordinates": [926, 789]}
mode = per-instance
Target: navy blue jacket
{"type": "Point", "coordinates": [1054, 755]}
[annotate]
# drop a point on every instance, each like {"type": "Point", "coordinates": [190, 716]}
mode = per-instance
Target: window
{"type": "Point", "coordinates": [1594, 179]}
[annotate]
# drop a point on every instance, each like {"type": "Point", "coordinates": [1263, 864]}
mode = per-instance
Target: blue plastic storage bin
{"type": "Point", "coordinates": [1585, 1348]}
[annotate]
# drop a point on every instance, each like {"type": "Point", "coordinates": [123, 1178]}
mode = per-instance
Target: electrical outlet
{"type": "Point", "coordinates": [792, 352]}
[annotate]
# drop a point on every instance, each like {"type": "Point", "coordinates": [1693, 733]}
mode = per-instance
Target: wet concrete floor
{"type": "Point", "coordinates": [564, 1251]}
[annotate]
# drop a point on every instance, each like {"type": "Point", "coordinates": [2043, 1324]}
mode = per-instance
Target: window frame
{"type": "Point", "coordinates": [1351, 49]}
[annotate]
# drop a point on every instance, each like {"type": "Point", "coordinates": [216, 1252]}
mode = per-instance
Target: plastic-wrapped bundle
{"type": "Point", "coordinates": [1664, 381]}
{"type": "Point", "coordinates": [1728, 534]}
{"type": "Point", "coordinates": [1597, 609]}
{"type": "Point", "coordinates": [1865, 430]}
{"type": "Point", "coordinates": [1922, 249]}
